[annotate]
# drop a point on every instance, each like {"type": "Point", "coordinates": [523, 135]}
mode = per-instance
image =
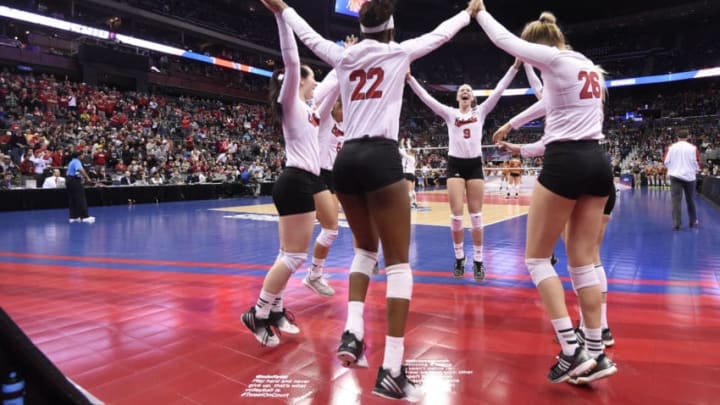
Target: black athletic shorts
{"type": "Point", "coordinates": [327, 178]}
{"type": "Point", "coordinates": [410, 177]}
{"type": "Point", "coordinates": [468, 169]}
{"type": "Point", "coordinates": [610, 204]}
{"type": "Point", "coordinates": [367, 164]}
{"type": "Point", "coordinates": [576, 168]}
{"type": "Point", "coordinates": [294, 190]}
{"type": "Point", "coordinates": [515, 174]}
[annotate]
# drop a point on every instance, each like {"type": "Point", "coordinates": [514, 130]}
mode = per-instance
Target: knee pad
{"type": "Point", "coordinates": [326, 237]}
{"type": "Point", "coordinates": [399, 281]}
{"type": "Point", "coordinates": [293, 261]}
{"type": "Point", "coordinates": [456, 223]}
{"type": "Point", "coordinates": [583, 276]}
{"type": "Point", "coordinates": [476, 220]}
{"type": "Point", "coordinates": [540, 269]}
{"type": "Point", "coordinates": [363, 262]}
{"type": "Point", "coordinates": [602, 278]}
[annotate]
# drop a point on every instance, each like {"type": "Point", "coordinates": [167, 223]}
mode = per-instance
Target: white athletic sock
{"type": "Point", "coordinates": [264, 303]}
{"type": "Point", "coordinates": [394, 351]}
{"type": "Point", "coordinates": [355, 323]}
{"type": "Point", "coordinates": [565, 335]}
{"type": "Point", "coordinates": [459, 253]}
{"type": "Point", "coordinates": [477, 253]}
{"type": "Point", "coordinates": [316, 270]}
{"type": "Point", "coordinates": [277, 304]}
{"type": "Point", "coordinates": [593, 342]}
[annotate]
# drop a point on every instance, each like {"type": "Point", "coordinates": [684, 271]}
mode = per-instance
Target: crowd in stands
{"type": "Point", "coordinates": [131, 137]}
{"type": "Point", "coordinates": [137, 138]}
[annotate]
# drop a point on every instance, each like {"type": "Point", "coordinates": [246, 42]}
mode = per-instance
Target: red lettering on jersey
{"type": "Point", "coordinates": [337, 131]}
{"type": "Point", "coordinates": [459, 122]}
{"type": "Point", "coordinates": [312, 119]}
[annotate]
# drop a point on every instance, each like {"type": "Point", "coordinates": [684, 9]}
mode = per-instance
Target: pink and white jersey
{"type": "Point", "coordinates": [408, 162]}
{"type": "Point", "coordinates": [299, 122]}
{"type": "Point", "coordinates": [573, 86]}
{"type": "Point", "coordinates": [330, 134]}
{"type": "Point", "coordinates": [465, 130]}
{"type": "Point", "coordinates": [332, 138]}
{"type": "Point", "coordinates": [372, 74]}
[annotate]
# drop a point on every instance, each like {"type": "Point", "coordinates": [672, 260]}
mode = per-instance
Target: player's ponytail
{"type": "Point", "coordinates": [275, 107]}
{"type": "Point", "coordinates": [544, 31]}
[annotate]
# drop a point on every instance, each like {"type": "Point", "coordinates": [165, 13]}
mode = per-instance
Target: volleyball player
{"type": "Point", "coordinates": [465, 165]}
{"type": "Point", "coordinates": [368, 173]}
{"type": "Point", "coordinates": [293, 193]}
{"type": "Point", "coordinates": [537, 149]}
{"type": "Point", "coordinates": [515, 172]}
{"type": "Point", "coordinates": [504, 176]}
{"type": "Point", "coordinates": [409, 162]}
{"type": "Point", "coordinates": [329, 142]}
{"type": "Point", "coordinates": [572, 188]}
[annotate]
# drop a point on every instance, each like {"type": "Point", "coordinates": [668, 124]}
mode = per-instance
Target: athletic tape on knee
{"type": "Point", "coordinates": [399, 281]}
{"type": "Point", "coordinates": [363, 262]}
{"type": "Point", "coordinates": [583, 276]}
{"type": "Point", "coordinates": [602, 277]}
{"type": "Point", "coordinates": [456, 223]}
{"type": "Point", "coordinates": [326, 237]}
{"type": "Point", "coordinates": [293, 261]}
{"type": "Point", "coordinates": [540, 269]}
{"type": "Point", "coordinates": [476, 220]}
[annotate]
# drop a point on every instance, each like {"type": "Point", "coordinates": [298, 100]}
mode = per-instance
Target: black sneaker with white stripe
{"type": "Point", "coordinates": [459, 270]}
{"type": "Point", "coordinates": [399, 387]}
{"type": "Point", "coordinates": [603, 369]}
{"type": "Point", "coordinates": [351, 349]}
{"type": "Point", "coordinates": [571, 366]}
{"type": "Point", "coordinates": [261, 328]}
{"type": "Point", "coordinates": [478, 271]}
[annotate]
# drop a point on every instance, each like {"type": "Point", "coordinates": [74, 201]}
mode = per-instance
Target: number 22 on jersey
{"type": "Point", "coordinates": [376, 75]}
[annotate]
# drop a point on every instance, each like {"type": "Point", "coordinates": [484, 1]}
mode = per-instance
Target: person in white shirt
{"type": "Point", "coordinates": [330, 140]}
{"type": "Point", "coordinates": [54, 181]}
{"type": "Point", "coordinates": [368, 173]}
{"type": "Point", "coordinates": [465, 166]}
{"type": "Point", "coordinates": [409, 161]}
{"type": "Point", "coordinates": [41, 160]}
{"type": "Point", "coordinates": [294, 191]}
{"type": "Point", "coordinates": [682, 160]}
{"type": "Point", "coordinates": [571, 190]}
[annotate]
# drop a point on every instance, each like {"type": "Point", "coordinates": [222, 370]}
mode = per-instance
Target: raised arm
{"type": "Point", "coordinates": [328, 51]}
{"type": "Point", "coordinates": [537, 55]}
{"type": "Point", "coordinates": [534, 80]}
{"type": "Point", "coordinates": [290, 88]}
{"type": "Point", "coordinates": [437, 107]}
{"type": "Point", "coordinates": [326, 103]}
{"type": "Point", "coordinates": [490, 103]}
{"type": "Point", "coordinates": [323, 90]}
{"type": "Point", "coordinates": [424, 44]}
{"type": "Point", "coordinates": [533, 112]}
